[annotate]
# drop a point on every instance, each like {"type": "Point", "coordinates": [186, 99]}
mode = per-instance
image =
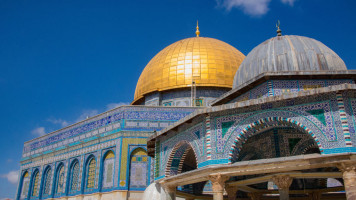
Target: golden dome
{"type": "Point", "coordinates": [207, 61]}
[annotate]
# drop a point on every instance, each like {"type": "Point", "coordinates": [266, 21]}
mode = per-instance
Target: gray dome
{"type": "Point", "coordinates": [287, 53]}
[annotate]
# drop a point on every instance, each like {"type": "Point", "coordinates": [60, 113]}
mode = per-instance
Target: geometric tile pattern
{"type": "Point", "coordinates": [47, 181]}
{"type": "Point", "coordinates": [60, 180]}
{"type": "Point", "coordinates": [279, 87]}
{"type": "Point", "coordinates": [91, 173]}
{"type": "Point", "coordinates": [343, 117]}
{"type": "Point", "coordinates": [108, 171]}
{"type": "Point", "coordinates": [138, 169]}
{"type": "Point", "coordinates": [74, 178]}
{"type": "Point", "coordinates": [35, 184]}
{"type": "Point", "coordinates": [25, 185]}
{"type": "Point", "coordinates": [261, 124]}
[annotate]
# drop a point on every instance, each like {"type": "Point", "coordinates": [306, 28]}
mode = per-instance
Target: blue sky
{"type": "Point", "coordinates": [63, 60]}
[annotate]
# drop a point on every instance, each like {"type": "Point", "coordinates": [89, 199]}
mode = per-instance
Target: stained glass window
{"type": "Point", "coordinates": [91, 173]}
{"type": "Point", "coordinates": [60, 180]}
{"type": "Point", "coordinates": [75, 177]}
{"type": "Point", "coordinates": [47, 182]}
{"type": "Point", "coordinates": [35, 184]}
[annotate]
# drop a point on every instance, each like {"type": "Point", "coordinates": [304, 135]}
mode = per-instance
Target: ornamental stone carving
{"type": "Point", "coordinates": [218, 182]}
{"type": "Point", "coordinates": [282, 181]}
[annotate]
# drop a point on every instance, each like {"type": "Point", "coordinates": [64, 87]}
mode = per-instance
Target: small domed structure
{"type": "Point", "coordinates": [206, 61]}
{"type": "Point", "coordinates": [288, 53]}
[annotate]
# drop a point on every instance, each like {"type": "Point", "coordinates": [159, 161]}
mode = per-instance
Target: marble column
{"type": "Point", "coordinates": [283, 182]}
{"type": "Point", "coordinates": [254, 196]}
{"type": "Point", "coordinates": [170, 192]}
{"type": "Point", "coordinates": [231, 192]}
{"type": "Point", "coordinates": [349, 175]}
{"type": "Point", "coordinates": [218, 183]}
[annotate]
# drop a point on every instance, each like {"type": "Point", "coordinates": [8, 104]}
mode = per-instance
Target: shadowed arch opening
{"type": "Point", "coordinates": [273, 123]}
{"type": "Point", "coordinates": [275, 137]}
{"type": "Point", "coordinates": [183, 159]}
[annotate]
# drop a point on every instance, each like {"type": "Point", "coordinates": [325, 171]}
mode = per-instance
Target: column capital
{"type": "Point", "coordinates": [218, 181]}
{"type": "Point", "coordinates": [282, 181]}
{"type": "Point", "coordinates": [347, 167]}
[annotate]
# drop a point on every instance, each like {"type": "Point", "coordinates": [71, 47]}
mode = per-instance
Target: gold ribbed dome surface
{"type": "Point", "coordinates": [207, 61]}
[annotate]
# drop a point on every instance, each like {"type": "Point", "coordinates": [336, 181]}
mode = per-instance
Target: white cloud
{"type": "Point", "coordinates": [250, 7]}
{"type": "Point", "coordinates": [86, 114]}
{"type": "Point", "coordinates": [61, 122]}
{"type": "Point", "coordinates": [12, 176]}
{"type": "Point", "coordinates": [290, 2]}
{"type": "Point", "coordinates": [115, 105]}
{"type": "Point", "coordinates": [39, 131]}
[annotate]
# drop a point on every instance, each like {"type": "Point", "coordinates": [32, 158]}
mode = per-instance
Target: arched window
{"type": "Point", "coordinates": [138, 169]}
{"type": "Point", "coordinates": [91, 173]}
{"type": "Point", "coordinates": [108, 170]}
{"type": "Point", "coordinates": [25, 185]}
{"type": "Point", "coordinates": [74, 177]}
{"type": "Point", "coordinates": [35, 185]}
{"type": "Point", "coordinates": [59, 186]}
{"type": "Point", "coordinates": [47, 179]}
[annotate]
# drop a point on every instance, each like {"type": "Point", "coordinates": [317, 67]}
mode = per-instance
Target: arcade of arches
{"type": "Point", "coordinates": [276, 161]}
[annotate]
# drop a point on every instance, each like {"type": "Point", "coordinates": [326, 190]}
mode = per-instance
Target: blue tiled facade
{"type": "Point", "coordinates": [319, 116]}
{"type": "Point", "coordinates": [120, 130]}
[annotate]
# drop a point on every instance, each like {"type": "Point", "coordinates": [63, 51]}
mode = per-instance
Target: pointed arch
{"type": "Point", "coordinates": [35, 185]}
{"type": "Point", "coordinates": [46, 182]}
{"type": "Point", "coordinates": [263, 124]}
{"type": "Point", "coordinates": [90, 172]}
{"type": "Point", "coordinates": [24, 185]}
{"type": "Point", "coordinates": [177, 157]}
{"type": "Point", "coordinates": [107, 170]}
{"type": "Point", "coordinates": [73, 179]}
{"type": "Point", "coordinates": [58, 186]}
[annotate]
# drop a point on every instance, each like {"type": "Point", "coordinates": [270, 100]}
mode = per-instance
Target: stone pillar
{"type": "Point", "coordinates": [254, 196]}
{"type": "Point", "coordinates": [283, 182]}
{"type": "Point", "coordinates": [349, 175]}
{"type": "Point", "coordinates": [170, 192]}
{"type": "Point", "coordinates": [218, 183]}
{"type": "Point", "coordinates": [231, 192]}
{"type": "Point", "coordinates": [316, 195]}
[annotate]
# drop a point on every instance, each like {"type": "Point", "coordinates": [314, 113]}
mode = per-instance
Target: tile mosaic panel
{"type": "Point", "coordinates": [195, 136]}
{"type": "Point", "coordinates": [103, 123]}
